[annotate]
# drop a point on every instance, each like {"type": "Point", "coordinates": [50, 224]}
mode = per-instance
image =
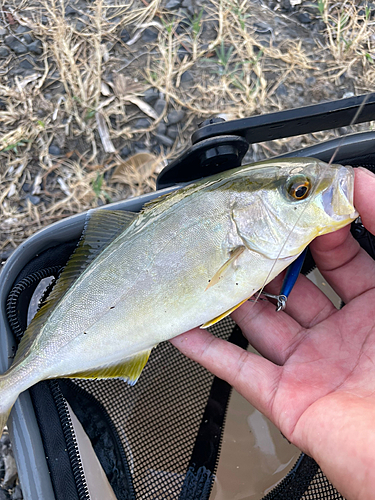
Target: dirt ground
{"type": "Point", "coordinates": [97, 97]}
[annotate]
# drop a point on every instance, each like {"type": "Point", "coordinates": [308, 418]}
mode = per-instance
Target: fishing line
{"type": "Point", "coordinates": [287, 239]}
{"type": "Point", "coordinates": [353, 121]}
{"type": "Point", "coordinates": [359, 111]}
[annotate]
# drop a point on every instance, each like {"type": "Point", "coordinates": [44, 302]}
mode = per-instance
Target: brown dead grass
{"type": "Point", "coordinates": [236, 75]}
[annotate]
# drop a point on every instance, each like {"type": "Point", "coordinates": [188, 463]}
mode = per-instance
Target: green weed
{"type": "Point", "coordinates": [97, 187]}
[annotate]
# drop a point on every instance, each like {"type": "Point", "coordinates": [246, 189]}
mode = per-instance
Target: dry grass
{"type": "Point", "coordinates": [102, 82]}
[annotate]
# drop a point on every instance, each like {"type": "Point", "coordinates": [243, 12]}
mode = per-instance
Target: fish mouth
{"type": "Point", "coordinates": [338, 198]}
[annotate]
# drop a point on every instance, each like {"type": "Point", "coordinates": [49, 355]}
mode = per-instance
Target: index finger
{"type": "Point", "coordinates": [344, 264]}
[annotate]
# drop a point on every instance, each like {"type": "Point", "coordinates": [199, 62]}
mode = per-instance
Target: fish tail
{"type": "Point", "coordinates": [8, 397]}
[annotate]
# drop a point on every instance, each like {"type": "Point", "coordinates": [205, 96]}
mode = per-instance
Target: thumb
{"type": "Point", "coordinates": [364, 197]}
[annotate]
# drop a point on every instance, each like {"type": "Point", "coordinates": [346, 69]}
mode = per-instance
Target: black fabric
{"type": "Point", "coordinates": [54, 442]}
{"type": "Point", "coordinates": [55, 256]}
{"type": "Point", "coordinates": [296, 482]}
{"type": "Point", "coordinates": [205, 454]}
{"type": "Point", "coordinates": [103, 436]}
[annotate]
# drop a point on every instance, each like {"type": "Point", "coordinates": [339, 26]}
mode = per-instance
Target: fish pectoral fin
{"type": "Point", "coordinates": [129, 369]}
{"type": "Point", "coordinates": [222, 316]}
{"type": "Point", "coordinates": [220, 273]}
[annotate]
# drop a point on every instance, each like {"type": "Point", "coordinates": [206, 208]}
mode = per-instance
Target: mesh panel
{"type": "Point", "coordinates": [321, 489]}
{"type": "Point", "coordinates": [158, 419]}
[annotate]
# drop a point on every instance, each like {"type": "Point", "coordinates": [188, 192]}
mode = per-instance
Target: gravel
{"type": "Point", "coordinates": [175, 116]}
{"type": "Point", "coordinates": [159, 106]}
{"type": "Point", "coordinates": [149, 35]}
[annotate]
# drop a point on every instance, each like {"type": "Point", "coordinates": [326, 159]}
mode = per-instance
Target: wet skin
{"type": "Point", "coordinates": [316, 379]}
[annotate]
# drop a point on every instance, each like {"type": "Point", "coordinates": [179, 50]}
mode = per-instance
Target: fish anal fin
{"type": "Point", "coordinates": [129, 369]}
{"type": "Point", "coordinates": [222, 316]}
{"type": "Point", "coordinates": [223, 269]}
{"type": "Point", "coordinates": [101, 228]}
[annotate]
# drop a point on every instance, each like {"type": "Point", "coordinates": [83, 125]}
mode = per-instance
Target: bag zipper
{"type": "Point", "coordinates": [70, 439]}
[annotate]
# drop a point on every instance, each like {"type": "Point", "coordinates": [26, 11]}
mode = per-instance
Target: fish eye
{"type": "Point", "coordinates": [298, 187]}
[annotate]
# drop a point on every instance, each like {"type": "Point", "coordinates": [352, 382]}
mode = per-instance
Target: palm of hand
{"type": "Point", "coordinates": [326, 368]}
{"type": "Point", "coordinates": [316, 379]}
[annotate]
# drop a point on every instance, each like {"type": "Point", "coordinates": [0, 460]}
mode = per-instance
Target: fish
{"type": "Point", "coordinates": [188, 259]}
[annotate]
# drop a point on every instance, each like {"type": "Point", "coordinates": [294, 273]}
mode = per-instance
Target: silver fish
{"type": "Point", "coordinates": [188, 259]}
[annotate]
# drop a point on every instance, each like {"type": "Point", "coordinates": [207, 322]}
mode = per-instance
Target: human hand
{"type": "Point", "coordinates": [316, 379]}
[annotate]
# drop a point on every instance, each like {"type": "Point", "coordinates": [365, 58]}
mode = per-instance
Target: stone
{"type": "Point", "coordinates": [125, 152]}
{"type": "Point", "coordinates": [159, 106]}
{"type": "Point", "coordinates": [149, 35]}
{"type": "Point", "coordinates": [26, 187]}
{"type": "Point", "coordinates": [79, 26]}
{"type": "Point", "coordinates": [22, 29]}
{"type": "Point", "coordinates": [310, 81]}
{"type": "Point", "coordinates": [182, 53]}
{"type": "Point", "coordinates": [5, 440]}
{"type": "Point", "coordinates": [285, 5]}
{"type": "Point", "coordinates": [10, 471]}
{"type": "Point", "coordinates": [187, 77]}
{"type": "Point", "coordinates": [3, 31]}
{"type": "Point", "coordinates": [188, 4]}
{"type": "Point", "coordinates": [173, 4]}
{"type": "Point", "coordinates": [124, 35]}
{"type": "Point", "coordinates": [142, 123]}
{"type": "Point", "coordinates": [151, 95]}
{"type": "Point", "coordinates": [34, 200]}
{"type": "Point", "coordinates": [17, 493]}
{"type": "Point", "coordinates": [4, 52]}
{"type": "Point", "coordinates": [27, 38]}
{"type": "Point", "coordinates": [4, 495]}
{"type": "Point", "coordinates": [140, 147]}
{"type": "Point", "coordinates": [115, 20]}
{"type": "Point", "coordinates": [70, 11]}
{"type": "Point", "coordinates": [36, 47]}
{"type": "Point", "coordinates": [304, 18]}
{"type": "Point", "coordinates": [281, 90]}
{"type": "Point", "coordinates": [27, 63]}
{"type": "Point", "coordinates": [164, 140]}
{"type": "Point", "coordinates": [161, 128]}
{"type": "Point", "coordinates": [184, 25]}
{"type": "Point", "coordinates": [173, 132]}
{"type": "Point", "coordinates": [54, 150]}
{"type": "Point", "coordinates": [156, 149]}
{"type": "Point", "coordinates": [9, 40]}
{"type": "Point", "coordinates": [175, 116]}
{"type": "Point", "coordinates": [18, 47]}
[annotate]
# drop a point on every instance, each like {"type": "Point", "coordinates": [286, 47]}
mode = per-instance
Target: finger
{"type": "Point", "coordinates": [344, 264]}
{"type": "Point", "coordinates": [363, 198]}
{"type": "Point", "coordinates": [251, 375]}
{"type": "Point", "coordinates": [277, 334]}
{"type": "Point", "coordinates": [273, 334]}
{"type": "Point", "coordinates": [306, 304]}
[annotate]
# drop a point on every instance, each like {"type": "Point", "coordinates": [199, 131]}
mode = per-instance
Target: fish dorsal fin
{"type": "Point", "coordinates": [221, 272]}
{"type": "Point", "coordinates": [222, 316]}
{"type": "Point", "coordinates": [129, 369]}
{"type": "Point", "coordinates": [100, 229]}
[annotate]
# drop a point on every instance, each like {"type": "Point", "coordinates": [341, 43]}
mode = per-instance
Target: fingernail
{"type": "Point", "coordinates": [366, 171]}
